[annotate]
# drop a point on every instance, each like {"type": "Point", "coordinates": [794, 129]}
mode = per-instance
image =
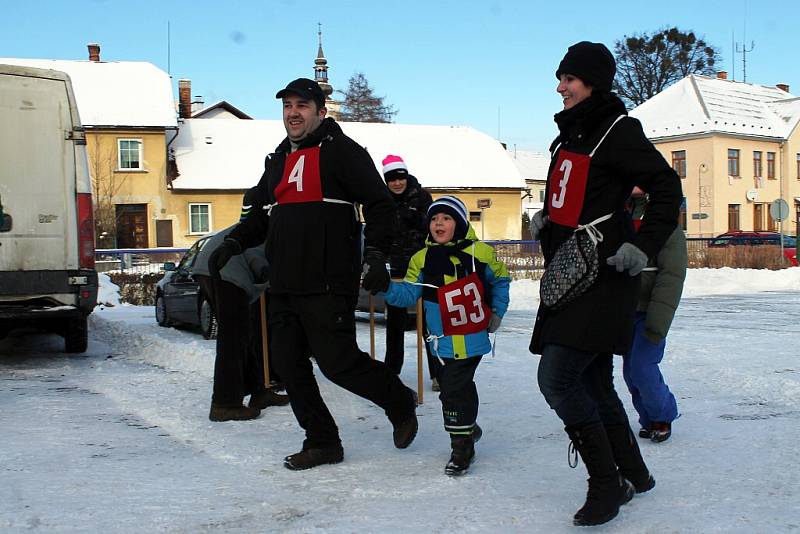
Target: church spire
{"type": "Point", "coordinates": [321, 67]}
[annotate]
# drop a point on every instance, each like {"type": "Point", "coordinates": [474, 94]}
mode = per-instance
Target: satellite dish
{"type": "Point", "coordinates": [752, 194]}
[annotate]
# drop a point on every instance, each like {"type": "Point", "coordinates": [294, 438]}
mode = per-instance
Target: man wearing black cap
{"type": "Point", "coordinates": [310, 187]}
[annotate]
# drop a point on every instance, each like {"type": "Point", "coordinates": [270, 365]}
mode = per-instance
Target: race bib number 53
{"type": "Point", "coordinates": [463, 307]}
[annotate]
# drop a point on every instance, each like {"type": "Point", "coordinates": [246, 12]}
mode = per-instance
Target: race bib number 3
{"type": "Point", "coordinates": [463, 307]}
{"type": "Point", "coordinates": [567, 188]}
{"type": "Point", "coordinates": [301, 178]}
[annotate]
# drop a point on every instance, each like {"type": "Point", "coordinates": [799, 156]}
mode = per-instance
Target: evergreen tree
{"type": "Point", "coordinates": [362, 105]}
{"type": "Point", "coordinates": [649, 63]}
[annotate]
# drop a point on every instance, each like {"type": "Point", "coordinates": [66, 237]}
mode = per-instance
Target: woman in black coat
{"type": "Point", "coordinates": [598, 157]}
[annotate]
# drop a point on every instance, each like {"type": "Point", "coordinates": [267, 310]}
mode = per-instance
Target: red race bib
{"type": "Point", "coordinates": [301, 180]}
{"type": "Point", "coordinates": [567, 188]}
{"type": "Point", "coordinates": [462, 306]}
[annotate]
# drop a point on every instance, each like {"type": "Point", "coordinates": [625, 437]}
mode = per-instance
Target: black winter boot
{"type": "Point", "coordinates": [462, 455]}
{"type": "Point", "coordinates": [629, 458]}
{"type": "Point", "coordinates": [308, 458]}
{"type": "Point", "coordinates": [607, 489]}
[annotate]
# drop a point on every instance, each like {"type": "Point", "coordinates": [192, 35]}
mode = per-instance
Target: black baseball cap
{"type": "Point", "coordinates": [304, 88]}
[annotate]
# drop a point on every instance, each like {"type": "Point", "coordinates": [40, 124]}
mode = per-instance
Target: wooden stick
{"type": "Point", "coordinates": [264, 338]}
{"type": "Point", "coordinates": [371, 327]}
{"type": "Point", "coordinates": [420, 342]}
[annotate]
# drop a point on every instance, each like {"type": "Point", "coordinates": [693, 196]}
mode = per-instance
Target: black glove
{"type": "Point", "coordinates": [377, 277]}
{"type": "Point", "coordinates": [221, 255]}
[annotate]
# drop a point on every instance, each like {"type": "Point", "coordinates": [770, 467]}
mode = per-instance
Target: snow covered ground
{"type": "Point", "coordinates": [118, 439]}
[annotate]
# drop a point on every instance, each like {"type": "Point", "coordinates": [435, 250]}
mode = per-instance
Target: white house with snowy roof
{"type": "Point", "coordinates": [128, 113]}
{"type": "Point", "coordinates": [217, 160]}
{"type": "Point", "coordinates": [533, 167]}
{"type": "Point", "coordinates": [736, 147]}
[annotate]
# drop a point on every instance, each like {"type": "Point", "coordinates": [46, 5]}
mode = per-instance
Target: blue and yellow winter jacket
{"type": "Point", "coordinates": [493, 274]}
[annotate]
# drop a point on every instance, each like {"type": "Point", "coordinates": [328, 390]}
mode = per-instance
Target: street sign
{"type": "Point", "coordinates": [697, 216]}
{"type": "Point", "coordinates": [779, 210]}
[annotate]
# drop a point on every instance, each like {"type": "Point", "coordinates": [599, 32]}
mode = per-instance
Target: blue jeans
{"type": "Point", "coordinates": [579, 386]}
{"type": "Point", "coordinates": [650, 394]}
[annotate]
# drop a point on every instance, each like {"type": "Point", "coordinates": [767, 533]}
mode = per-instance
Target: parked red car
{"type": "Point", "coordinates": [738, 238]}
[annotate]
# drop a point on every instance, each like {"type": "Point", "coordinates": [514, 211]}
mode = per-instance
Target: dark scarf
{"type": "Point", "coordinates": [586, 116]}
{"type": "Point", "coordinates": [438, 264]}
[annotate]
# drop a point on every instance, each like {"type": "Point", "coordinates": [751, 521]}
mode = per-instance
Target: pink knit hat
{"type": "Point", "coordinates": [394, 163]}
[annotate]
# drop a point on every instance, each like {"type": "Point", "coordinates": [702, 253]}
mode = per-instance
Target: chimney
{"type": "Point", "coordinates": [197, 103]}
{"type": "Point", "coordinates": [94, 52]}
{"type": "Point", "coordinates": [184, 99]}
{"type": "Point", "coordinates": [722, 75]}
{"type": "Point", "coordinates": [783, 87]}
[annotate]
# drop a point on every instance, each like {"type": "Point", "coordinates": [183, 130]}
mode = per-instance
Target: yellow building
{"type": "Point", "coordinates": [736, 147]}
{"type": "Point", "coordinates": [128, 113]}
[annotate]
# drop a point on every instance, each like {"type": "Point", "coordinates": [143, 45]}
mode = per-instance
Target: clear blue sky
{"type": "Point", "coordinates": [487, 64]}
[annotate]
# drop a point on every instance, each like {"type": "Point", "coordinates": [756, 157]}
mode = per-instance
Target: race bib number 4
{"type": "Point", "coordinates": [463, 307]}
{"type": "Point", "coordinates": [567, 188]}
{"type": "Point", "coordinates": [301, 178]}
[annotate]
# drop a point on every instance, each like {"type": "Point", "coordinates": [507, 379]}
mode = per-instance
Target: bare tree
{"type": "Point", "coordinates": [362, 105]}
{"type": "Point", "coordinates": [649, 63]}
{"type": "Point", "coordinates": [106, 184]}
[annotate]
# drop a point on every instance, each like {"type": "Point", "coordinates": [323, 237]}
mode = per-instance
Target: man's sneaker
{"type": "Point", "coordinates": [266, 397]}
{"type": "Point", "coordinates": [232, 413]}
{"type": "Point", "coordinates": [308, 458]}
{"type": "Point", "coordinates": [435, 385]}
{"type": "Point", "coordinates": [645, 433]}
{"type": "Point", "coordinates": [405, 432]}
{"type": "Point", "coordinates": [660, 432]}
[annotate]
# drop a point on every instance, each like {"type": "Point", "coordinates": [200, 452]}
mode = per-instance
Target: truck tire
{"type": "Point", "coordinates": [161, 311]}
{"type": "Point", "coordinates": [208, 321]}
{"type": "Point", "coordinates": [76, 337]}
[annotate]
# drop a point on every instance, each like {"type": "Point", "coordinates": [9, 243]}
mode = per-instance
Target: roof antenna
{"type": "Point", "coordinates": [744, 49]}
{"type": "Point", "coordinates": [168, 51]}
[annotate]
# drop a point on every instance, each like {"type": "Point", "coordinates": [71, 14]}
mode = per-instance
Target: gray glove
{"type": "Point", "coordinates": [494, 323]}
{"type": "Point", "coordinates": [628, 257]}
{"type": "Point", "coordinates": [538, 221]}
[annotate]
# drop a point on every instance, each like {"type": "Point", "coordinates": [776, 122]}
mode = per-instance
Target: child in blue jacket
{"type": "Point", "coordinates": [465, 293]}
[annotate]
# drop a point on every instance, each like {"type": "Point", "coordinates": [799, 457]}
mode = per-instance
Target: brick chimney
{"type": "Point", "coordinates": [783, 87]}
{"type": "Point", "coordinates": [184, 99]}
{"type": "Point", "coordinates": [722, 75]}
{"type": "Point", "coordinates": [94, 52]}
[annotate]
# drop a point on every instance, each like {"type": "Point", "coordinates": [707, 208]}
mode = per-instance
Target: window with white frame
{"type": "Point", "coordinates": [129, 153]}
{"type": "Point", "coordinates": [199, 218]}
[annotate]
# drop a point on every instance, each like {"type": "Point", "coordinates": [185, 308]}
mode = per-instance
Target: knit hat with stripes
{"type": "Point", "coordinates": [454, 208]}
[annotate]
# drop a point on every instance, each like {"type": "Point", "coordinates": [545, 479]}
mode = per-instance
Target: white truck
{"type": "Point", "coordinates": [48, 279]}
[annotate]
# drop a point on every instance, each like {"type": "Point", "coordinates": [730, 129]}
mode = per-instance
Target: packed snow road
{"type": "Point", "coordinates": [118, 439]}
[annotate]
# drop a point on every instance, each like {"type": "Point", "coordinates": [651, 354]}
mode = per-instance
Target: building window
{"type": "Point", "coordinates": [758, 217]}
{"type": "Point", "coordinates": [757, 164]}
{"type": "Point", "coordinates": [474, 216]}
{"type": "Point", "coordinates": [679, 162]}
{"type": "Point", "coordinates": [733, 217]}
{"type": "Point", "coordinates": [541, 191]}
{"type": "Point", "coordinates": [770, 165]}
{"type": "Point", "coordinates": [199, 218]}
{"type": "Point", "coordinates": [733, 162]}
{"type": "Point", "coordinates": [798, 166]}
{"type": "Point", "coordinates": [130, 154]}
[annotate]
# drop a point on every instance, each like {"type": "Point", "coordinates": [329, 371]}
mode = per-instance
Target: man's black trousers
{"type": "Point", "coordinates": [237, 372]}
{"type": "Point", "coordinates": [325, 324]}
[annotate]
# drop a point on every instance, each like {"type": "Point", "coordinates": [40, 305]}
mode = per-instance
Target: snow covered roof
{"type": "Point", "coordinates": [531, 165]}
{"type": "Point", "coordinates": [116, 93]}
{"type": "Point", "coordinates": [217, 154]}
{"type": "Point", "coordinates": [699, 105]}
{"type": "Point", "coordinates": [219, 109]}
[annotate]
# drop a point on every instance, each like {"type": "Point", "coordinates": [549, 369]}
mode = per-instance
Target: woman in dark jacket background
{"type": "Point", "coordinates": [410, 230]}
{"type": "Point", "coordinates": [598, 157]}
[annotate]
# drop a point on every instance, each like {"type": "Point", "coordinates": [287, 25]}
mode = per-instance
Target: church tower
{"type": "Point", "coordinates": [321, 77]}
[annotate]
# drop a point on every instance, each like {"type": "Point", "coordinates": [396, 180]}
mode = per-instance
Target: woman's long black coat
{"type": "Point", "coordinates": [601, 320]}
